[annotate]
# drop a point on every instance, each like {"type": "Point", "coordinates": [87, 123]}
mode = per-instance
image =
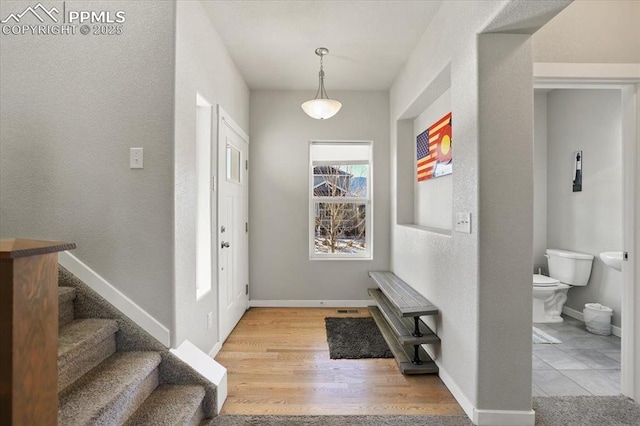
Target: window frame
{"type": "Point", "coordinates": [367, 200]}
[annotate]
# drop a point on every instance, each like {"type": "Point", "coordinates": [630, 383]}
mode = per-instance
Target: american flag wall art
{"type": "Point", "coordinates": [433, 149]}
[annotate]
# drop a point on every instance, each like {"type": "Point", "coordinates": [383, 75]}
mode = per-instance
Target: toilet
{"type": "Point", "coordinates": [566, 269]}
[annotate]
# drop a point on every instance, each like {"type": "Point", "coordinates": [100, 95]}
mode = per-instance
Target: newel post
{"type": "Point", "coordinates": [29, 331]}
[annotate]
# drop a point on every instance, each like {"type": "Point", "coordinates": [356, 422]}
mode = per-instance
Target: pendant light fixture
{"type": "Point", "coordinates": [321, 106]}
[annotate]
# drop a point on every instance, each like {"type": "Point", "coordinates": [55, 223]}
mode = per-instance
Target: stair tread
{"type": "Point", "coordinates": [169, 405]}
{"type": "Point", "coordinates": [100, 389]}
{"type": "Point", "coordinates": [81, 335]}
{"type": "Point", "coordinates": [66, 294]}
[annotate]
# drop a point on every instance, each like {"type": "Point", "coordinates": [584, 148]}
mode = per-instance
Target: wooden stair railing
{"type": "Point", "coordinates": [29, 331]}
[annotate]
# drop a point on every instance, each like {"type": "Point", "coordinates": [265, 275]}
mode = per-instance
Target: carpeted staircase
{"type": "Point", "coordinates": [110, 372]}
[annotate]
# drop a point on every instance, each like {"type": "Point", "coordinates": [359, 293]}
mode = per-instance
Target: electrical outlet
{"type": "Point", "coordinates": [209, 320]}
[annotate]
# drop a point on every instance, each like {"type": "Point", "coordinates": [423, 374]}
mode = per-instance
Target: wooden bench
{"type": "Point", "coordinates": [397, 314]}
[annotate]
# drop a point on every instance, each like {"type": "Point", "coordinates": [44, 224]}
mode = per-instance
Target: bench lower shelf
{"type": "Point", "coordinates": [403, 354]}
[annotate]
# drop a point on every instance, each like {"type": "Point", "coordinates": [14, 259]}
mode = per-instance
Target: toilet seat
{"type": "Point", "coordinates": [549, 288]}
{"type": "Point", "coordinates": [544, 281]}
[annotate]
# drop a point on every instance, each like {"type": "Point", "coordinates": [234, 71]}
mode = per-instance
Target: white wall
{"type": "Point", "coordinates": [433, 198]}
{"type": "Point", "coordinates": [485, 301]}
{"type": "Point", "coordinates": [591, 31]}
{"type": "Point", "coordinates": [203, 66]}
{"type": "Point", "coordinates": [589, 221]}
{"type": "Point", "coordinates": [71, 107]}
{"type": "Point", "coordinates": [540, 181]}
{"type": "Point", "coordinates": [280, 268]}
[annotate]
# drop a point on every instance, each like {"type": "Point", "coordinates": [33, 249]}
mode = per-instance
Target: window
{"type": "Point", "coordinates": [340, 196]}
{"type": "Point", "coordinates": [233, 164]}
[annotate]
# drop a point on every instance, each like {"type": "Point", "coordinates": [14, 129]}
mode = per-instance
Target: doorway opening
{"type": "Point", "coordinates": [589, 353]}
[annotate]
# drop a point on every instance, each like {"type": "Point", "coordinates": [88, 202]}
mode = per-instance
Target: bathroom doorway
{"type": "Point", "coordinates": [577, 208]}
{"type": "Point", "coordinates": [586, 363]}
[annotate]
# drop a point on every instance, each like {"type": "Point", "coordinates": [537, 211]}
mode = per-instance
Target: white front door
{"type": "Point", "coordinates": [233, 216]}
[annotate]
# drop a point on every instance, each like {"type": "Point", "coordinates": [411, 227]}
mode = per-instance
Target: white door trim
{"type": "Point", "coordinates": [225, 120]}
{"type": "Point", "coordinates": [222, 115]}
{"type": "Point", "coordinates": [625, 77]}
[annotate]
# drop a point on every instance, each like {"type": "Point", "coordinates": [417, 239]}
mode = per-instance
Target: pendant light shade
{"type": "Point", "coordinates": [321, 106]}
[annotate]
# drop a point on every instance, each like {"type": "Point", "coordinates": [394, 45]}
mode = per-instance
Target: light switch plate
{"type": "Point", "coordinates": [463, 222]}
{"type": "Point", "coordinates": [136, 158]}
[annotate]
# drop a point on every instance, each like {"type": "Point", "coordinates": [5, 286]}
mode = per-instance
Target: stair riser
{"type": "Point", "coordinates": [198, 416]}
{"type": "Point", "coordinates": [65, 312]}
{"type": "Point", "coordinates": [127, 403]}
{"type": "Point", "coordinates": [85, 361]}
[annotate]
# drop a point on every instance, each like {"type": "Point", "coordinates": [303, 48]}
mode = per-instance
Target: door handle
{"type": "Point", "coordinates": [224, 244]}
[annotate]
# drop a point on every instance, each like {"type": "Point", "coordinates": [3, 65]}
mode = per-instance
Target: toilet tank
{"type": "Point", "coordinates": [569, 267]}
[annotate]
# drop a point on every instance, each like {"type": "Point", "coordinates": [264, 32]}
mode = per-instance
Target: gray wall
{"type": "Point", "coordinates": [589, 221]}
{"type": "Point", "coordinates": [540, 182]}
{"type": "Point", "coordinates": [71, 107]}
{"type": "Point", "coordinates": [280, 268]}
{"type": "Point", "coordinates": [203, 66]}
{"type": "Point", "coordinates": [485, 302]}
{"type": "Point", "coordinates": [505, 215]}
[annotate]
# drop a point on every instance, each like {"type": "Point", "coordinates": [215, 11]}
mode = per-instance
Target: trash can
{"type": "Point", "coordinates": [597, 318]}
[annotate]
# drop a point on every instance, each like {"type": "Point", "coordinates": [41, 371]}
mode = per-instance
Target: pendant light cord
{"type": "Point", "coordinates": [321, 90]}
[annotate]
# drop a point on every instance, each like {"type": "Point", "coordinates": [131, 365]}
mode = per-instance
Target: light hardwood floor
{"type": "Point", "coordinates": [278, 363]}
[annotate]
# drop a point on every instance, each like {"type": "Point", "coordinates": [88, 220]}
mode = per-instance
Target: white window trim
{"type": "Point", "coordinates": [368, 201]}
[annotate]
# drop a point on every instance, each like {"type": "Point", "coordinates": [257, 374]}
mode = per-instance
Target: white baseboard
{"type": "Point", "coordinates": [616, 331]}
{"type": "Point", "coordinates": [309, 303]}
{"type": "Point", "coordinates": [457, 393]}
{"type": "Point", "coordinates": [207, 367]}
{"type": "Point", "coordinates": [503, 418]}
{"type": "Point", "coordinates": [115, 297]}
{"type": "Point", "coordinates": [216, 348]}
{"type": "Point", "coordinates": [485, 417]}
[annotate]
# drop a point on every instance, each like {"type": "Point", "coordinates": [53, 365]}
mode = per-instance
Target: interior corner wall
{"type": "Point", "coordinates": [590, 221]}
{"type": "Point", "coordinates": [540, 181]}
{"type": "Point", "coordinates": [505, 217]}
{"type": "Point", "coordinates": [203, 66]}
{"type": "Point", "coordinates": [591, 31]}
{"type": "Point", "coordinates": [71, 107]}
{"type": "Point", "coordinates": [280, 267]}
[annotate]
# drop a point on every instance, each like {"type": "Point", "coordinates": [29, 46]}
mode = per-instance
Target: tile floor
{"type": "Point", "coordinates": [583, 364]}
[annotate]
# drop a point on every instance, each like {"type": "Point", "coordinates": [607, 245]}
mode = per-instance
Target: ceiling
{"type": "Point", "coordinates": [273, 42]}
